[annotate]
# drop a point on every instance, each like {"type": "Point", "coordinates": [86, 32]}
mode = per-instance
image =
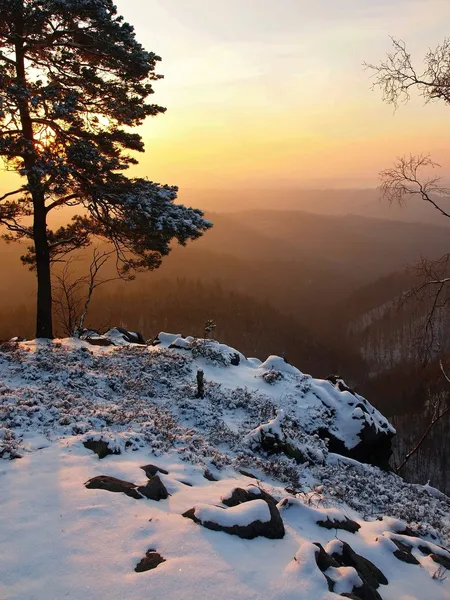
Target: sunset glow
{"type": "Point", "coordinates": [277, 94]}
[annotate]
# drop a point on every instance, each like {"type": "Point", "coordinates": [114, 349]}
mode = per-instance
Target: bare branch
{"type": "Point", "coordinates": [404, 179]}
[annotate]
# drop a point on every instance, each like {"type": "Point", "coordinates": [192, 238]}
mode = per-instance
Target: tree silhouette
{"type": "Point", "coordinates": [73, 81]}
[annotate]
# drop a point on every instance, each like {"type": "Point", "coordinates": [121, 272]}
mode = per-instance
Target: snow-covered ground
{"type": "Point", "coordinates": [60, 539]}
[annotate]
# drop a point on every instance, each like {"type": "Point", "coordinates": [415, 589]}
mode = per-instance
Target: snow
{"type": "Point", "coordinates": [243, 514]}
{"type": "Point", "coordinates": [59, 539]}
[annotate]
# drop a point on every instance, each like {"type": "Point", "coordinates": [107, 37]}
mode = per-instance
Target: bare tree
{"type": "Point", "coordinates": [73, 295]}
{"type": "Point", "coordinates": [397, 75]}
{"type": "Point", "coordinates": [414, 176]}
{"type": "Point", "coordinates": [439, 408]}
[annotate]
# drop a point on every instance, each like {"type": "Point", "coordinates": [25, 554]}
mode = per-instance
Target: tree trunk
{"type": "Point", "coordinates": [44, 327]}
{"type": "Point", "coordinates": [44, 285]}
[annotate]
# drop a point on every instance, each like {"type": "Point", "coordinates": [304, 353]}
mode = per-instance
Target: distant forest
{"type": "Point", "coordinates": [321, 291]}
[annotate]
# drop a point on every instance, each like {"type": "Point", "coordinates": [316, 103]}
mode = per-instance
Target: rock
{"type": "Point", "coordinates": [442, 560]}
{"type": "Point", "coordinates": [154, 489]}
{"type": "Point", "coordinates": [151, 470]}
{"type": "Point", "coordinates": [339, 383]}
{"type": "Point", "coordinates": [375, 447]}
{"type": "Point", "coordinates": [98, 341]}
{"type": "Point", "coordinates": [346, 525]}
{"type": "Point", "coordinates": [365, 568]}
{"type": "Point", "coordinates": [150, 561]}
{"type": "Point", "coordinates": [369, 574]}
{"type": "Point", "coordinates": [239, 495]}
{"type": "Point", "coordinates": [112, 484]}
{"type": "Point", "coordinates": [133, 337]}
{"type": "Point", "coordinates": [209, 476]}
{"type": "Point", "coordinates": [118, 336]}
{"type": "Point", "coordinates": [235, 359]}
{"type": "Point", "coordinates": [404, 553]}
{"type": "Point", "coordinates": [324, 560]}
{"type": "Point", "coordinates": [100, 447]}
{"type": "Point", "coordinates": [273, 529]}
{"type": "Point", "coordinates": [247, 474]}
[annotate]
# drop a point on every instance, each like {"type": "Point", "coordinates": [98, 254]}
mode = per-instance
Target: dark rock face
{"type": "Point", "coordinates": [346, 525]}
{"type": "Point", "coordinates": [151, 470]}
{"type": "Point", "coordinates": [369, 574]}
{"type": "Point", "coordinates": [375, 447]}
{"type": "Point", "coordinates": [98, 341]}
{"type": "Point", "coordinates": [272, 444]}
{"type": "Point", "coordinates": [366, 569]}
{"type": "Point", "coordinates": [239, 495]}
{"type": "Point", "coordinates": [209, 476]}
{"type": "Point", "coordinates": [150, 561]}
{"type": "Point", "coordinates": [235, 359]}
{"type": "Point", "coordinates": [111, 484]}
{"type": "Point", "coordinates": [247, 474]}
{"type": "Point", "coordinates": [100, 447]}
{"type": "Point", "coordinates": [339, 383]}
{"type": "Point", "coordinates": [273, 529]}
{"type": "Point", "coordinates": [154, 489]}
{"type": "Point", "coordinates": [442, 560]}
{"type": "Point", "coordinates": [404, 553]}
{"type": "Point", "coordinates": [132, 337]}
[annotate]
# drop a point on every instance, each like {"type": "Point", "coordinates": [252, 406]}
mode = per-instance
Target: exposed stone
{"type": "Point", "coordinates": [154, 489]}
{"type": "Point", "coordinates": [404, 553]}
{"type": "Point", "coordinates": [239, 495]}
{"type": "Point", "coordinates": [209, 476]}
{"type": "Point", "coordinates": [442, 560]}
{"type": "Point", "coordinates": [151, 470]}
{"type": "Point", "coordinates": [346, 525]}
{"type": "Point", "coordinates": [112, 484]}
{"type": "Point", "coordinates": [235, 359]}
{"type": "Point", "coordinates": [273, 529]}
{"type": "Point", "coordinates": [375, 447]}
{"type": "Point", "coordinates": [369, 574]}
{"type": "Point", "coordinates": [131, 337]}
{"type": "Point", "coordinates": [98, 340]}
{"type": "Point", "coordinates": [150, 561]}
{"type": "Point", "coordinates": [324, 560]}
{"type": "Point", "coordinates": [100, 447]}
{"type": "Point", "coordinates": [247, 474]}
{"type": "Point", "coordinates": [366, 569]}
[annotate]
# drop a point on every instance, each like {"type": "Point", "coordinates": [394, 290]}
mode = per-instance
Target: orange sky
{"type": "Point", "coordinates": [263, 93]}
{"type": "Point", "coordinates": [274, 94]}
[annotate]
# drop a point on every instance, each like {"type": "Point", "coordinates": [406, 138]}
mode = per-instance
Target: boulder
{"type": "Point", "coordinates": [100, 447]}
{"type": "Point", "coordinates": [151, 470]}
{"type": "Point", "coordinates": [365, 568]}
{"type": "Point", "coordinates": [272, 529]}
{"type": "Point", "coordinates": [154, 489]}
{"type": "Point", "coordinates": [150, 561]}
{"type": "Point", "coordinates": [404, 553]}
{"type": "Point", "coordinates": [347, 524]}
{"type": "Point", "coordinates": [112, 484]}
{"type": "Point", "coordinates": [369, 574]}
{"type": "Point", "coordinates": [250, 531]}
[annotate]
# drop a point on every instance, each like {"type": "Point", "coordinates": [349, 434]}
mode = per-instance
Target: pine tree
{"type": "Point", "coordinates": [73, 81]}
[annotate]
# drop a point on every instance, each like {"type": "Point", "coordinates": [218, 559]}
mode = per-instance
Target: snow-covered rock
{"type": "Point", "coordinates": [224, 459]}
